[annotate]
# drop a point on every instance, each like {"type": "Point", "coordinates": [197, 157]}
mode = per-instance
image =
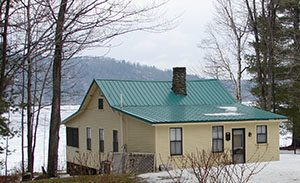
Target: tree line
{"type": "Point", "coordinates": [39, 37]}
{"type": "Point", "coordinates": [260, 38]}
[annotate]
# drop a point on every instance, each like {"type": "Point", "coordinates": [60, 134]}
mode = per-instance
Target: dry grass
{"type": "Point", "coordinates": [90, 179]}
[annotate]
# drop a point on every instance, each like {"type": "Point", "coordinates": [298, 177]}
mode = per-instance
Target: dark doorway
{"type": "Point", "coordinates": [238, 145]}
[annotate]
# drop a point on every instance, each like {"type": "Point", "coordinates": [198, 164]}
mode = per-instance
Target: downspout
{"type": "Point", "coordinates": [121, 121]}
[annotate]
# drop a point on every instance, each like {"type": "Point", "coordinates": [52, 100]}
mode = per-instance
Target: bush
{"type": "Point", "coordinates": [210, 167]}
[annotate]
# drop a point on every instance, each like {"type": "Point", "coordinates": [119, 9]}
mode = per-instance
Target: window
{"type": "Point", "coordinates": [72, 137]}
{"type": "Point", "coordinates": [261, 131]}
{"type": "Point", "coordinates": [217, 139]}
{"type": "Point", "coordinates": [88, 138]}
{"type": "Point", "coordinates": [115, 141]}
{"type": "Point", "coordinates": [100, 103]}
{"type": "Point", "coordinates": [176, 141]}
{"type": "Point", "coordinates": [101, 140]}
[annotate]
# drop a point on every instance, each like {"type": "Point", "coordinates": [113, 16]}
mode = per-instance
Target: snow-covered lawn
{"type": "Point", "coordinates": [41, 152]}
{"type": "Point", "coordinates": [283, 171]}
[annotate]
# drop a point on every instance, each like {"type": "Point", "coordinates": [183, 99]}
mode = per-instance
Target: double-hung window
{"type": "Point", "coordinates": [261, 134]}
{"type": "Point", "coordinates": [115, 141]}
{"type": "Point", "coordinates": [101, 140]}
{"type": "Point", "coordinates": [217, 139]}
{"type": "Point", "coordinates": [88, 139]}
{"type": "Point", "coordinates": [176, 141]}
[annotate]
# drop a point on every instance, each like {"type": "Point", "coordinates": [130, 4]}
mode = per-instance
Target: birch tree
{"type": "Point", "coordinates": [226, 43]}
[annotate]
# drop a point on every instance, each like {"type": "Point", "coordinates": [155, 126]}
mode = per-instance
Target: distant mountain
{"type": "Point", "coordinates": [80, 71]}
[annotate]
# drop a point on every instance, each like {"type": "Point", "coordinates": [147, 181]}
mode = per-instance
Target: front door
{"type": "Point", "coordinates": [238, 145]}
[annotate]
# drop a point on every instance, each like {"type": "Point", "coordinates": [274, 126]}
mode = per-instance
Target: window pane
{"type": "Point", "coordinates": [263, 129]}
{"type": "Point", "coordinates": [178, 134]}
{"type": "Point", "coordinates": [178, 147]}
{"type": "Point", "coordinates": [261, 138]}
{"type": "Point", "coordinates": [172, 134]}
{"type": "Point", "coordinates": [173, 148]}
{"type": "Point", "coordinates": [115, 135]}
{"type": "Point", "coordinates": [101, 146]}
{"type": "Point", "coordinates": [258, 128]}
{"type": "Point", "coordinates": [88, 132]}
{"type": "Point", "coordinates": [238, 140]}
{"type": "Point", "coordinates": [89, 144]}
{"type": "Point", "coordinates": [75, 137]}
{"type": "Point", "coordinates": [220, 145]}
{"type": "Point", "coordinates": [115, 147]}
{"type": "Point", "coordinates": [101, 134]}
{"type": "Point", "coordinates": [100, 103]}
{"type": "Point", "coordinates": [220, 132]}
{"type": "Point", "coordinates": [214, 132]}
{"type": "Point", "coordinates": [215, 145]}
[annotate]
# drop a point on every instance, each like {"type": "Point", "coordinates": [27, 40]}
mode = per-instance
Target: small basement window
{"type": "Point", "coordinates": [100, 103]}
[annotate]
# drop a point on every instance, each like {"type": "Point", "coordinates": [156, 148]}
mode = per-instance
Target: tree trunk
{"type": "Point", "coordinates": [56, 99]}
{"type": "Point", "coordinates": [4, 51]}
{"type": "Point", "coordinates": [256, 44]}
{"type": "Point", "coordinates": [30, 153]}
{"type": "Point", "coordinates": [22, 118]}
{"type": "Point", "coordinates": [271, 56]}
{"type": "Point", "coordinates": [239, 72]}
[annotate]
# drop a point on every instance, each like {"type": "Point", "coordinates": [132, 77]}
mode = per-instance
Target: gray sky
{"type": "Point", "coordinates": [177, 47]}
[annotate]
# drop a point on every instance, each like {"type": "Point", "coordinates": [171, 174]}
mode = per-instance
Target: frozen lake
{"type": "Point", "coordinates": [41, 151]}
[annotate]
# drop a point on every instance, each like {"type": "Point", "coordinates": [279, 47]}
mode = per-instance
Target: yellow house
{"type": "Point", "coordinates": [169, 119]}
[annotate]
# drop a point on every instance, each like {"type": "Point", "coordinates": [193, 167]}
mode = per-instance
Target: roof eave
{"type": "Point", "coordinates": [216, 121]}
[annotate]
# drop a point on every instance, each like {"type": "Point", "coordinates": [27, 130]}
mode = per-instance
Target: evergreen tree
{"type": "Point", "coordinates": [289, 88]}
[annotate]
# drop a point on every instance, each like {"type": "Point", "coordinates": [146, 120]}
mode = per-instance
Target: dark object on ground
{"type": "Point", "coordinates": [26, 177]}
{"type": "Point", "coordinates": [43, 170]}
{"type": "Point", "coordinates": [105, 167]}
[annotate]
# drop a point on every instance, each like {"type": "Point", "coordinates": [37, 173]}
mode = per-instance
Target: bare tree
{"type": "Point", "coordinates": [32, 33]}
{"type": "Point", "coordinates": [90, 23]}
{"type": "Point", "coordinates": [226, 43]}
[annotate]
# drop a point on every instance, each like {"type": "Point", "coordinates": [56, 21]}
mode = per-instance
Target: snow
{"type": "Point", "coordinates": [229, 108]}
{"type": "Point", "coordinates": [224, 114]}
{"type": "Point", "coordinates": [285, 170]}
{"type": "Point", "coordinates": [229, 111]}
{"type": "Point", "coordinates": [41, 152]}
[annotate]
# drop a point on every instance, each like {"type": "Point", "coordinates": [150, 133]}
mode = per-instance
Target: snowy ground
{"type": "Point", "coordinates": [286, 170]}
{"type": "Point", "coordinates": [41, 152]}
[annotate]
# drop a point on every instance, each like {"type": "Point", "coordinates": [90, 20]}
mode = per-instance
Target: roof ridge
{"type": "Point", "coordinates": [169, 105]}
{"type": "Point", "coordinates": [131, 80]}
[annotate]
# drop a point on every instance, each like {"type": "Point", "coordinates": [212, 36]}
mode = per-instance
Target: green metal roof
{"type": "Point", "coordinates": [154, 102]}
{"type": "Point", "coordinates": [159, 93]}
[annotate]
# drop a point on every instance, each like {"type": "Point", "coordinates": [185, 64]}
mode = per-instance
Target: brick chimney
{"type": "Point", "coordinates": [179, 81]}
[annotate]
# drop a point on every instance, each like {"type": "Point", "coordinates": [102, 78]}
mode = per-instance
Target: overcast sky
{"type": "Point", "coordinates": [177, 47]}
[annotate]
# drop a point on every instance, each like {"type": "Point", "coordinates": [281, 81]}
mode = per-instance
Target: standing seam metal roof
{"type": "Point", "coordinates": [155, 102]}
